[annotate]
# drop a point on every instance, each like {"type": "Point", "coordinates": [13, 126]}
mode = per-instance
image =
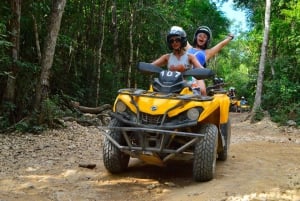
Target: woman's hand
{"type": "Point", "coordinates": [179, 68]}
{"type": "Point", "coordinates": [231, 36]}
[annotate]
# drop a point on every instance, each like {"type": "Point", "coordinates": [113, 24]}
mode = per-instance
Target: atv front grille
{"type": "Point", "coordinates": [151, 119]}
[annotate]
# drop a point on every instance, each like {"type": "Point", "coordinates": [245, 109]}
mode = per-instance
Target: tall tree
{"type": "Point", "coordinates": [42, 90]}
{"type": "Point", "coordinates": [102, 26]}
{"type": "Point", "coordinates": [260, 79]}
{"type": "Point", "coordinates": [132, 13]}
{"type": "Point", "coordinates": [114, 22]}
{"type": "Point", "coordinates": [10, 91]}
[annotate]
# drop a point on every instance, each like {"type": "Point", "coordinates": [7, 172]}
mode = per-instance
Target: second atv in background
{"type": "Point", "coordinates": [243, 105]}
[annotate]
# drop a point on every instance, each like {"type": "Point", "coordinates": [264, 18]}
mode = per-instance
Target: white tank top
{"type": "Point", "coordinates": [184, 60]}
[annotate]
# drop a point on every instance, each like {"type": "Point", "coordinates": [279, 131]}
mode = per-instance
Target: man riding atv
{"type": "Point", "coordinates": [243, 105]}
{"type": "Point", "coordinates": [233, 100]}
{"type": "Point", "coordinates": [231, 92]}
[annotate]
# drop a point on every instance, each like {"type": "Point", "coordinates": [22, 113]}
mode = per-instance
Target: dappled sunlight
{"type": "Point", "coordinates": [273, 194]}
{"type": "Point", "coordinates": [69, 182]}
{"type": "Point", "coordinates": [32, 181]}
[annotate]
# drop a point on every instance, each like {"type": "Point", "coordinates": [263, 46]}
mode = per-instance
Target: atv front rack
{"type": "Point", "coordinates": [135, 151]}
{"type": "Point", "coordinates": [174, 96]}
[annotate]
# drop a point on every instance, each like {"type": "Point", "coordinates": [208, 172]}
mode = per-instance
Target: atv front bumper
{"type": "Point", "coordinates": [145, 149]}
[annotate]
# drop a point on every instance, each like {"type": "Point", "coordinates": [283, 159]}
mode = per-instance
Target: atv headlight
{"type": "Point", "coordinates": [193, 114]}
{"type": "Point", "coordinates": [120, 106]}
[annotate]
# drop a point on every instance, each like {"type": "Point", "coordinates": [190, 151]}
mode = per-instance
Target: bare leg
{"type": "Point", "coordinates": [202, 86]}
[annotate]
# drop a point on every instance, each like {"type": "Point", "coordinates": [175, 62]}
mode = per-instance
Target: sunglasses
{"type": "Point", "coordinates": [177, 40]}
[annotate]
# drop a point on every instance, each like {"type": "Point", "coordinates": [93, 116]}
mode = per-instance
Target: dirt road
{"type": "Point", "coordinates": [263, 164]}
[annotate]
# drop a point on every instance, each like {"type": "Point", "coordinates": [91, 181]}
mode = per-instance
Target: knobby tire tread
{"type": "Point", "coordinates": [114, 160]}
{"type": "Point", "coordinates": [205, 154]}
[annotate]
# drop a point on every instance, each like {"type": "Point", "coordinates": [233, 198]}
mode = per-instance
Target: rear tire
{"type": "Point", "coordinates": [226, 132]}
{"type": "Point", "coordinates": [114, 160]}
{"type": "Point", "coordinates": [205, 154]}
{"type": "Point", "coordinates": [233, 108]}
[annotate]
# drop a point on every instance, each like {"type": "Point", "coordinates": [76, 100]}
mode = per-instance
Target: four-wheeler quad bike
{"type": "Point", "coordinates": [168, 121]}
{"type": "Point", "coordinates": [234, 104]}
{"type": "Point", "coordinates": [243, 107]}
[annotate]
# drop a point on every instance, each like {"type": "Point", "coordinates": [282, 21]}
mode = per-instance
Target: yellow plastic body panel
{"type": "Point", "coordinates": [217, 110]}
{"type": "Point", "coordinates": [214, 111]}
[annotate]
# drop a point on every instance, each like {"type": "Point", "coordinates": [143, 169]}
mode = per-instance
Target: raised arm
{"type": "Point", "coordinates": [214, 50]}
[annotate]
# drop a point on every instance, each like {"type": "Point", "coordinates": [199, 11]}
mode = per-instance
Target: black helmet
{"type": "Point", "coordinates": [177, 31]}
{"type": "Point", "coordinates": [207, 31]}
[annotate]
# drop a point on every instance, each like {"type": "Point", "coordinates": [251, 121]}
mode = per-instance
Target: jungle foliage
{"type": "Point", "coordinates": [100, 43]}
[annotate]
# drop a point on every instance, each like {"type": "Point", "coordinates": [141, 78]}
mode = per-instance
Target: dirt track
{"type": "Point", "coordinates": [263, 164]}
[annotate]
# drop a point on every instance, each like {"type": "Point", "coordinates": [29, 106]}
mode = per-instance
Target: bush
{"type": "Point", "coordinates": [286, 112]}
{"type": "Point", "coordinates": [258, 115]}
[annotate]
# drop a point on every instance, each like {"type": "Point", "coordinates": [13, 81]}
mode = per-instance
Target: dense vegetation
{"type": "Point", "coordinates": [100, 43]}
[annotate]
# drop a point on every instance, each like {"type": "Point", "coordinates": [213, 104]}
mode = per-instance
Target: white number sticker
{"type": "Point", "coordinates": [171, 73]}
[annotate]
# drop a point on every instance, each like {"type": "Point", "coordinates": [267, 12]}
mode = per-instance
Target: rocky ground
{"type": "Point", "coordinates": [263, 164]}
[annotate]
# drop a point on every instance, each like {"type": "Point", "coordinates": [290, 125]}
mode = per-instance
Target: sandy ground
{"type": "Point", "coordinates": [263, 164]}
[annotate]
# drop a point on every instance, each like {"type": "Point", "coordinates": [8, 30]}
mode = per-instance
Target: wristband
{"type": "Point", "coordinates": [230, 36]}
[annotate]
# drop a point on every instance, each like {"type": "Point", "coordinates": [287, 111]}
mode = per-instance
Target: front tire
{"type": "Point", "coordinates": [114, 160]}
{"type": "Point", "coordinates": [205, 154]}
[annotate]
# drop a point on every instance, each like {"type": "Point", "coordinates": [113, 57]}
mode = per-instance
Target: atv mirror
{"type": "Point", "coordinates": [148, 67]}
{"type": "Point", "coordinates": [200, 73]}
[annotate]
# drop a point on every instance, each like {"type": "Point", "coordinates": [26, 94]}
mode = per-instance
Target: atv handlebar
{"type": "Point", "coordinates": [216, 86]}
{"type": "Point", "coordinates": [198, 73]}
{"type": "Point", "coordinates": [148, 68]}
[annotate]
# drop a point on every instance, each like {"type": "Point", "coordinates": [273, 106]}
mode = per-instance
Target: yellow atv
{"type": "Point", "coordinates": [234, 104]}
{"type": "Point", "coordinates": [243, 105]}
{"type": "Point", "coordinates": [169, 121]}
{"type": "Point", "coordinates": [244, 108]}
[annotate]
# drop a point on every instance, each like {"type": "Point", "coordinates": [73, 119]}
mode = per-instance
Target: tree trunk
{"type": "Point", "coordinates": [257, 102]}
{"type": "Point", "coordinates": [131, 47]}
{"type": "Point", "coordinates": [10, 92]}
{"type": "Point", "coordinates": [91, 110]}
{"type": "Point", "coordinates": [102, 26]}
{"type": "Point", "coordinates": [116, 36]}
{"type": "Point", "coordinates": [37, 41]}
{"type": "Point", "coordinates": [274, 53]}
{"type": "Point", "coordinates": [48, 51]}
